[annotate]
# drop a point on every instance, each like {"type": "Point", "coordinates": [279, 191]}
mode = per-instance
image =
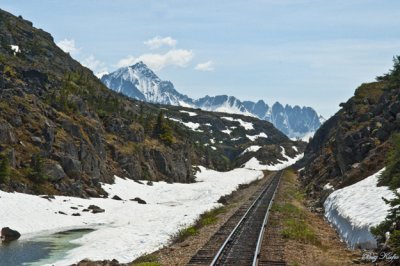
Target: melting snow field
{"type": "Point", "coordinates": [126, 229]}
{"type": "Point", "coordinates": [255, 164]}
{"type": "Point", "coordinates": [353, 210]}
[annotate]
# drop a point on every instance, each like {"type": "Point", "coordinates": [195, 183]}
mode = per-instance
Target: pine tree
{"type": "Point", "coordinates": [37, 166]}
{"type": "Point", "coordinates": [4, 169]}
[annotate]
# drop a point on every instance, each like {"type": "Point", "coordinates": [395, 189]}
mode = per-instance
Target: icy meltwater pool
{"type": "Point", "coordinates": [40, 250]}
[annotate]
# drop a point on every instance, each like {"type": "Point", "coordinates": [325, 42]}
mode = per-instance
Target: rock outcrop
{"type": "Point", "coordinates": [8, 234]}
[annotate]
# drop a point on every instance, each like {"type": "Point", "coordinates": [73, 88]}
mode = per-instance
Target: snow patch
{"type": "Point", "coordinates": [244, 124]}
{"type": "Point", "coordinates": [191, 125]}
{"type": "Point", "coordinates": [353, 210]}
{"type": "Point", "coordinates": [187, 112]}
{"type": "Point", "coordinates": [252, 148]}
{"type": "Point", "coordinates": [15, 49]}
{"type": "Point", "coordinates": [226, 131]}
{"type": "Point", "coordinates": [253, 138]}
{"type": "Point", "coordinates": [328, 186]}
{"type": "Point", "coordinates": [255, 164]}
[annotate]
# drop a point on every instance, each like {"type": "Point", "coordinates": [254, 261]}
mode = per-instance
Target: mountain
{"type": "Point", "coordinates": [63, 132]}
{"type": "Point", "coordinates": [140, 82]}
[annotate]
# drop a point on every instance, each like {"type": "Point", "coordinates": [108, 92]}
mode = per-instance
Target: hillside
{"type": "Point", "coordinates": [63, 132]}
{"type": "Point", "coordinates": [140, 82]}
{"type": "Point", "coordinates": [354, 143]}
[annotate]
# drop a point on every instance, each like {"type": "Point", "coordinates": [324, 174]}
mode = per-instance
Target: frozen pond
{"type": "Point", "coordinates": [41, 250]}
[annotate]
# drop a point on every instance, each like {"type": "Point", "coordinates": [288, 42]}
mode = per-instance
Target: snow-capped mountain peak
{"type": "Point", "coordinates": [140, 82]}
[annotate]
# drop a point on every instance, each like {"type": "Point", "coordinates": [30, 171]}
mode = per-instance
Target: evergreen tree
{"type": "Point", "coordinates": [37, 168]}
{"type": "Point", "coordinates": [4, 169]}
{"type": "Point", "coordinates": [162, 130]}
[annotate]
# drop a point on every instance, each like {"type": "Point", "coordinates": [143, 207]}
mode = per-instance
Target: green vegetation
{"type": "Point", "coordinates": [391, 176]}
{"type": "Point", "coordinates": [4, 169]}
{"type": "Point", "coordinates": [295, 225]}
{"type": "Point", "coordinates": [147, 260]}
{"type": "Point", "coordinates": [295, 219]}
{"type": "Point", "coordinates": [162, 130]}
{"type": "Point", "coordinates": [391, 225]}
{"type": "Point", "coordinates": [185, 233]}
{"type": "Point", "coordinates": [37, 168]}
{"type": "Point", "coordinates": [205, 219]}
{"type": "Point", "coordinates": [393, 77]}
{"type": "Point", "coordinates": [298, 229]}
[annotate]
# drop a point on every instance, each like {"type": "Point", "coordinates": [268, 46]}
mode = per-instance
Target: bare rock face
{"type": "Point", "coordinates": [354, 143]}
{"type": "Point", "coordinates": [8, 234]}
{"type": "Point", "coordinates": [7, 135]}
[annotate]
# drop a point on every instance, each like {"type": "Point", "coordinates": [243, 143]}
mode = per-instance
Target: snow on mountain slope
{"type": "Point", "coordinates": [353, 210]}
{"type": "Point", "coordinates": [255, 164]}
{"type": "Point", "coordinates": [140, 82]}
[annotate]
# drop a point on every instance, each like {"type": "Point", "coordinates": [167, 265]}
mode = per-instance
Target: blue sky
{"type": "Point", "coordinates": [313, 53]}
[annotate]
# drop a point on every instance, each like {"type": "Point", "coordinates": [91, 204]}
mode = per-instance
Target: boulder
{"type": "Point", "coordinates": [92, 192]}
{"type": "Point", "coordinates": [116, 197]}
{"type": "Point", "coordinates": [139, 200]}
{"type": "Point", "coordinates": [8, 234]}
{"type": "Point", "coordinates": [95, 209]}
{"type": "Point", "coordinates": [36, 139]}
{"type": "Point", "coordinates": [54, 171]}
{"type": "Point", "coordinates": [71, 166]}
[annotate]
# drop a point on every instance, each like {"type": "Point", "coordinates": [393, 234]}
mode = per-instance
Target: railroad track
{"type": "Point", "coordinates": [241, 236]}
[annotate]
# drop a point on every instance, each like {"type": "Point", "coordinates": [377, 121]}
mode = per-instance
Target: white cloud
{"type": "Point", "coordinates": [206, 66]}
{"type": "Point", "coordinates": [175, 57]}
{"type": "Point", "coordinates": [98, 67]}
{"type": "Point", "coordinates": [157, 42]}
{"type": "Point", "coordinates": [68, 46]}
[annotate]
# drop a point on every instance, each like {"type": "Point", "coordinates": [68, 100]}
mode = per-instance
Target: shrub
{"type": "Point", "coordinates": [391, 224]}
{"type": "Point", "coordinates": [391, 176]}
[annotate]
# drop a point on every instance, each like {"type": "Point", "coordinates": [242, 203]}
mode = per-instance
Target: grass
{"type": "Point", "coordinates": [298, 229]}
{"type": "Point", "coordinates": [294, 216]}
{"type": "Point", "coordinates": [147, 260]}
{"type": "Point", "coordinates": [205, 219]}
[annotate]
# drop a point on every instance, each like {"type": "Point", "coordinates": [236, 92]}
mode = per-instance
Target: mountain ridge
{"type": "Point", "coordinates": [140, 82]}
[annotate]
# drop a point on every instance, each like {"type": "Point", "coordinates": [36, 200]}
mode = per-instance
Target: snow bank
{"type": "Point", "coordinates": [255, 164]}
{"type": "Point", "coordinates": [353, 210]}
{"type": "Point", "coordinates": [126, 229]}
